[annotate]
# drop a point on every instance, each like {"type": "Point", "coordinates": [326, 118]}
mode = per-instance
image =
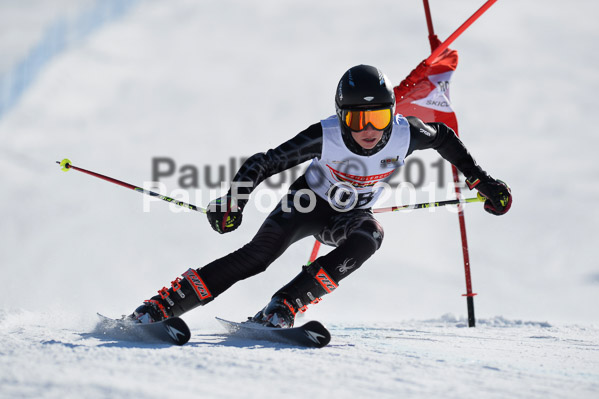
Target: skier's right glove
{"type": "Point", "coordinates": [498, 195]}
{"type": "Point", "coordinates": [224, 215]}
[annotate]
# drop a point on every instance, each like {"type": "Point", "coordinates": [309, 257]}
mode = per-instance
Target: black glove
{"type": "Point", "coordinates": [224, 215]}
{"type": "Point", "coordinates": [498, 195]}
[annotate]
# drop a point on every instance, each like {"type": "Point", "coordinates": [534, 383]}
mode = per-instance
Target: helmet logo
{"type": "Point", "coordinates": [351, 79]}
{"type": "Point", "coordinates": [369, 98]}
{"type": "Point", "coordinates": [381, 78]}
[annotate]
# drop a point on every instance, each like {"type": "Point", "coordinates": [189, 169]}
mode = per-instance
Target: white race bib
{"type": "Point", "coordinates": [348, 180]}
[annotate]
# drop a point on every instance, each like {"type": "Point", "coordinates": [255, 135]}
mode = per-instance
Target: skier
{"type": "Point", "coordinates": [351, 152]}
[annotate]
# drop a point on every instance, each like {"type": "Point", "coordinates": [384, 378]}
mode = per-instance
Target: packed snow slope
{"type": "Point", "coordinates": [50, 357]}
{"type": "Point", "coordinates": [208, 83]}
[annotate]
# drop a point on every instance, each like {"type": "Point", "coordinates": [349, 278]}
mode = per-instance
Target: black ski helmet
{"type": "Point", "coordinates": [364, 87]}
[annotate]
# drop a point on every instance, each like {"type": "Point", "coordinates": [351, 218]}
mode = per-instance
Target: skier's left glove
{"type": "Point", "coordinates": [498, 195]}
{"type": "Point", "coordinates": [224, 214]}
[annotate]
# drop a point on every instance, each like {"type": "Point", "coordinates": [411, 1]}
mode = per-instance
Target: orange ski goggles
{"type": "Point", "coordinates": [358, 120]}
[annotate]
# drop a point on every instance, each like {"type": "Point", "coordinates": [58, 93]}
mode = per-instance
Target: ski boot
{"type": "Point", "coordinates": [306, 288]}
{"type": "Point", "coordinates": [185, 294]}
{"type": "Point", "coordinates": [278, 313]}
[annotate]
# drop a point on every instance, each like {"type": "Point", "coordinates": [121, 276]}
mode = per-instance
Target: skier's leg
{"type": "Point", "coordinates": [184, 294]}
{"type": "Point", "coordinates": [283, 226]}
{"type": "Point", "coordinates": [356, 235]}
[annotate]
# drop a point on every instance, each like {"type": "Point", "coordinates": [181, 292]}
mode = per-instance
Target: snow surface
{"type": "Point", "coordinates": [433, 358]}
{"type": "Point", "coordinates": [160, 81]}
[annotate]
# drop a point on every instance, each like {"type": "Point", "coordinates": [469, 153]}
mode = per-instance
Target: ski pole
{"type": "Point", "coordinates": [479, 198]}
{"type": "Point", "coordinates": [67, 165]}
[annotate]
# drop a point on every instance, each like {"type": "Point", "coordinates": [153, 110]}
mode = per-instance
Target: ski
{"type": "Point", "coordinates": [312, 334]}
{"type": "Point", "coordinates": [173, 330]}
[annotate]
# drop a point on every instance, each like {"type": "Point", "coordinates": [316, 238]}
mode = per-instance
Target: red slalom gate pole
{"type": "Point", "coordinates": [432, 37]}
{"type": "Point", "coordinates": [437, 48]}
{"type": "Point", "coordinates": [314, 253]}
{"type": "Point", "coordinates": [440, 48]}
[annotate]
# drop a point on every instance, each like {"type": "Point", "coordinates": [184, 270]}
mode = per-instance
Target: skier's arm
{"type": "Point", "coordinates": [442, 138]}
{"type": "Point", "coordinates": [225, 214]}
{"type": "Point", "coordinates": [303, 147]}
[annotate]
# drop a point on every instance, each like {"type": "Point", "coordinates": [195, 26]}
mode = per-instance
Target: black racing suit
{"type": "Point", "coordinates": [356, 234]}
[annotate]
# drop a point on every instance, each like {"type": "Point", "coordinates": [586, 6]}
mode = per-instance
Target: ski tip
{"type": "Point", "coordinates": [317, 333]}
{"type": "Point", "coordinates": [178, 330]}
